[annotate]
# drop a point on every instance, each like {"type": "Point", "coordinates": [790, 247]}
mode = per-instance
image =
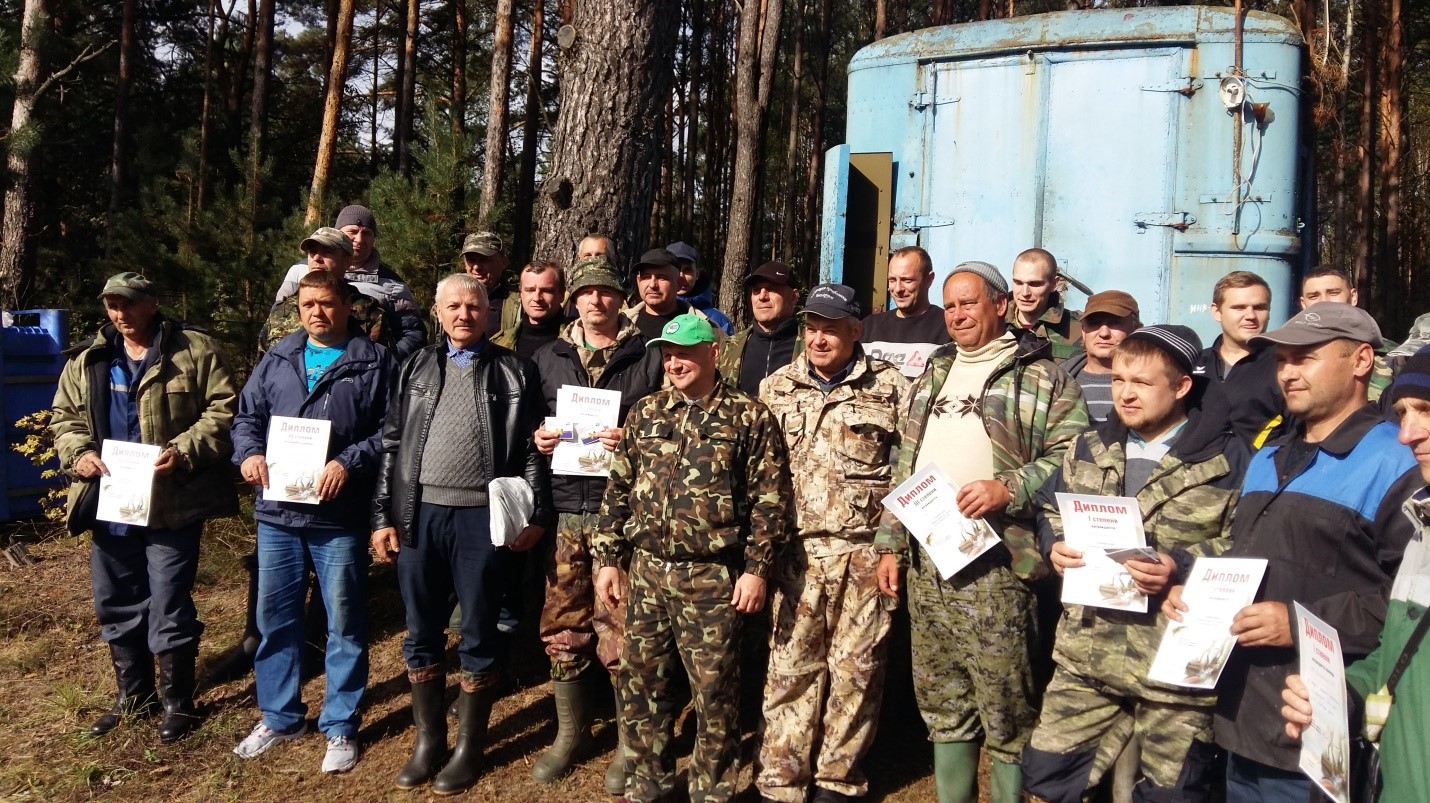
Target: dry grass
{"type": "Point", "coordinates": [55, 679]}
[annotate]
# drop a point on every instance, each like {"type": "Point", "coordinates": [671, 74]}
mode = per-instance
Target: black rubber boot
{"type": "Point", "coordinates": [134, 675]}
{"type": "Point", "coordinates": [431, 724]}
{"type": "Point", "coordinates": [573, 731]}
{"type": "Point", "coordinates": [176, 682]}
{"type": "Point", "coordinates": [474, 711]}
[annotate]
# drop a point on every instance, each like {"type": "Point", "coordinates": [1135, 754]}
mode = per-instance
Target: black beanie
{"type": "Point", "coordinates": [1413, 381]}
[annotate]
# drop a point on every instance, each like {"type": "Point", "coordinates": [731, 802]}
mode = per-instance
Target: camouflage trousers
{"type": "Point", "coordinates": [1086, 723]}
{"type": "Point", "coordinates": [826, 669]}
{"type": "Point", "coordinates": [679, 615]}
{"type": "Point", "coordinates": [574, 624]}
{"type": "Point", "coordinates": [972, 638]}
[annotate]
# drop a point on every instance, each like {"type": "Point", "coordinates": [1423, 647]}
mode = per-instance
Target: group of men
{"type": "Point", "coordinates": [747, 473]}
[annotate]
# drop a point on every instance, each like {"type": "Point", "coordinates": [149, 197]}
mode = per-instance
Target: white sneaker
{"type": "Point", "coordinates": [342, 754]}
{"type": "Point", "coordinates": [263, 737]}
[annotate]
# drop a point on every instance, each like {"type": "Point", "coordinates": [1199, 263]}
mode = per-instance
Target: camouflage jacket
{"type": "Point", "coordinates": [1032, 411]}
{"type": "Point", "coordinates": [840, 443]}
{"type": "Point", "coordinates": [1061, 327]}
{"type": "Point", "coordinates": [368, 316]}
{"type": "Point", "coordinates": [732, 353]}
{"type": "Point", "coordinates": [1188, 499]}
{"type": "Point", "coordinates": [697, 483]}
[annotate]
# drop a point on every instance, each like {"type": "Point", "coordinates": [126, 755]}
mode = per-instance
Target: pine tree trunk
{"type": "Point", "coordinates": [119, 155]}
{"type": "Point", "coordinates": [605, 149]}
{"type": "Point", "coordinates": [199, 196]}
{"type": "Point", "coordinates": [458, 112]}
{"type": "Point", "coordinates": [238, 77]}
{"type": "Point", "coordinates": [881, 18]}
{"type": "Point", "coordinates": [332, 113]}
{"type": "Point", "coordinates": [787, 200]}
{"type": "Point", "coordinates": [258, 109]}
{"type": "Point", "coordinates": [530, 140]}
{"type": "Point", "coordinates": [1365, 182]}
{"type": "Point", "coordinates": [809, 256]}
{"type": "Point", "coordinates": [19, 205]}
{"type": "Point", "coordinates": [1392, 149]}
{"type": "Point", "coordinates": [692, 114]}
{"type": "Point", "coordinates": [497, 111]}
{"type": "Point", "coordinates": [408, 90]}
{"type": "Point", "coordinates": [754, 61]}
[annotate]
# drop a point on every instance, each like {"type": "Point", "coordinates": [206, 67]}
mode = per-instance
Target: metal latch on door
{"type": "Point", "coordinates": [1181, 221]}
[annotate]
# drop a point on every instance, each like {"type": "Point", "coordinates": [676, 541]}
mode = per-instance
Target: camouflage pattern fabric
{"type": "Point", "coordinates": [826, 669]}
{"type": "Point", "coordinates": [1185, 506]}
{"type": "Point", "coordinates": [696, 482]}
{"type": "Point", "coordinates": [1380, 378]}
{"type": "Point", "coordinates": [575, 624]}
{"type": "Point", "coordinates": [1032, 411]}
{"type": "Point", "coordinates": [840, 444]}
{"type": "Point", "coordinates": [1081, 715]}
{"type": "Point", "coordinates": [972, 637]}
{"type": "Point", "coordinates": [594, 360]}
{"type": "Point", "coordinates": [1061, 327]}
{"type": "Point", "coordinates": [680, 614]}
{"type": "Point", "coordinates": [368, 316]}
{"type": "Point", "coordinates": [732, 352]}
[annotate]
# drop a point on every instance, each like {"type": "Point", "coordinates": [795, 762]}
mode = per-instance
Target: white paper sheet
{"type": "Point", "coordinates": [297, 453]}
{"type": "Point", "coordinates": [1194, 651]}
{"type": "Point", "coordinates": [1096, 526]}
{"type": "Point", "coordinates": [1326, 742]}
{"type": "Point", "coordinates": [926, 504]}
{"type": "Point", "coordinates": [579, 413]}
{"type": "Point", "coordinates": [125, 494]}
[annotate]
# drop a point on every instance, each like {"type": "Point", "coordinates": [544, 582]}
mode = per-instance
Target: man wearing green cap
{"type": "Point", "coordinates": [602, 349]}
{"type": "Point", "coordinates": [698, 500]}
{"type": "Point", "coordinates": [147, 379]}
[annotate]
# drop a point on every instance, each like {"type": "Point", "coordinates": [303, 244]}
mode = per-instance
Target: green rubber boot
{"type": "Point", "coordinates": [1007, 782]}
{"type": "Point", "coordinates": [955, 771]}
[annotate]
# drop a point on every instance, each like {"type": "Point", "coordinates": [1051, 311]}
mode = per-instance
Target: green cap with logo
{"type": "Point", "coordinates": [129, 284]}
{"type": "Point", "coordinates": [685, 330]}
{"type": "Point", "coordinates": [593, 271]}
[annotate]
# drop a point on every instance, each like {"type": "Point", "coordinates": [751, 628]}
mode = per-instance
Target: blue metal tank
{"type": "Point", "coordinates": [1105, 136]}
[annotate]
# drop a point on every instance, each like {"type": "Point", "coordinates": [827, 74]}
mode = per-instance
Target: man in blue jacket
{"type": "Point", "coordinates": [332, 372]}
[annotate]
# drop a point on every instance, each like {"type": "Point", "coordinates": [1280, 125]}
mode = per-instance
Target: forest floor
{"type": "Point", "coordinates": [55, 678]}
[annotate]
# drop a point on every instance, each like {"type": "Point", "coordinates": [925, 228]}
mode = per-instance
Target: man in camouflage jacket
{"type": "Point", "coordinates": [1184, 469]}
{"type": "Point", "coordinates": [839, 410]}
{"type": "Point", "coordinates": [697, 497]}
{"type": "Point", "coordinates": [973, 634]}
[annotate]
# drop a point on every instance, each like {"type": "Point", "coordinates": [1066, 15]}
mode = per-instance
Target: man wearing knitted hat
{"type": "Point", "coordinates": [369, 275]}
{"type": "Point", "coordinates": [996, 414]}
{"type": "Point", "coordinates": [1322, 505]}
{"type": "Point", "coordinates": [1184, 469]}
{"type": "Point", "coordinates": [1403, 745]}
{"type": "Point", "coordinates": [602, 349]}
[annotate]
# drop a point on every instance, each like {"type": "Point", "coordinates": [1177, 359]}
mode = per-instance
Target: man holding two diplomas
{"type": "Point", "coordinates": [331, 372]}
{"type": "Point", "coordinates": [147, 379]}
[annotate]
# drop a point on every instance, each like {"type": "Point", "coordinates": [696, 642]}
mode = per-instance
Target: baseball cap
{"type": "Point", "coordinates": [831, 301]}
{"type": "Point", "coordinates": [327, 237]}
{"type": "Point", "coordinates": [1111, 302]}
{"type": "Point", "coordinates": [685, 330]}
{"type": "Point", "coordinates": [988, 273]}
{"type": "Point", "coordinates": [1324, 321]}
{"type": "Point", "coordinates": [682, 250]}
{"type": "Point", "coordinates": [1179, 342]}
{"type": "Point", "coordinates": [593, 272]}
{"type": "Point", "coordinates": [356, 215]}
{"type": "Point", "coordinates": [129, 284]}
{"type": "Point", "coordinates": [484, 243]}
{"type": "Point", "coordinates": [772, 272]}
{"type": "Point", "coordinates": [656, 258]}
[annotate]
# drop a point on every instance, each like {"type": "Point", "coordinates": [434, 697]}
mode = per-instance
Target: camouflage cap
{"type": "Point", "coordinates": [685, 330]}
{"type": "Point", "coordinates": [129, 284]}
{"type": "Point", "coordinates": [593, 271]}
{"type": "Point", "coordinates": [484, 243]}
{"type": "Point", "coordinates": [327, 237]}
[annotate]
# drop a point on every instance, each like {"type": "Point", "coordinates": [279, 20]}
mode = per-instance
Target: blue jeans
{"type": "Point", "coordinates": [143, 585]}
{"type": "Point", "coordinates": [1250, 781]}
{"type": "Point", "coordinates": [451, 553]}
{"type": "Point", "coordinates": [339, 559]}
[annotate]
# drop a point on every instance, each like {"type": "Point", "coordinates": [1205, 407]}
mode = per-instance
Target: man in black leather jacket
{"type": "Point", "coordinates": [462, 414]}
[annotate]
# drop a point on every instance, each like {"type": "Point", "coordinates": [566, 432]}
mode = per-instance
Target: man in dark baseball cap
{"type": "Point", "coordinates": [658, 293]}
{"type": "Point", "coordinates": [695, 286]}
{"type": "Point", "coordinates": [776, 336]}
